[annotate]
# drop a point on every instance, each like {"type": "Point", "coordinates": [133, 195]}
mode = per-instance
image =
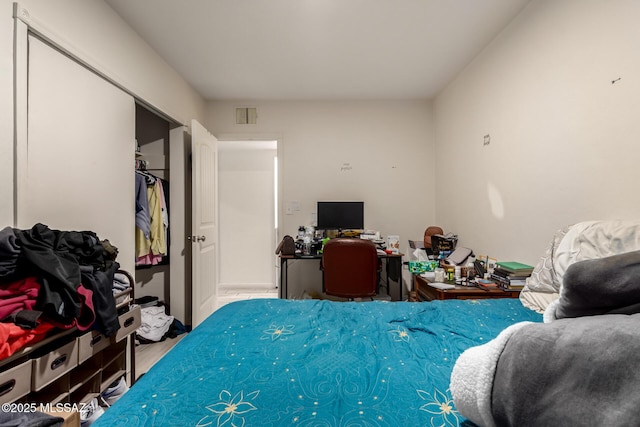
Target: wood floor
{"type": "Point", "coordinates": [227, 294]}
{"type": "Point", "coordinates": [148, 354]}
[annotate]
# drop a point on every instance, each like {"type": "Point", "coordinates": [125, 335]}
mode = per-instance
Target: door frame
{"type": "Point", "coordinates": [226, 137]}
{"type": "Point", "coordinates": [233, 234]}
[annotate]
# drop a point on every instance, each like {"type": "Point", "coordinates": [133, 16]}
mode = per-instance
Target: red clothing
{"type": "Point", "coordinates": [13, 337]}
{"type": "Point", "coordinates": [87, 313]}
{"type": "Point", "coordinates": [20, 295]}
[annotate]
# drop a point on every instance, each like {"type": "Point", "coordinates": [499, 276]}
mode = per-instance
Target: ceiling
{"type": "Point", "coordinates": [318, 49]}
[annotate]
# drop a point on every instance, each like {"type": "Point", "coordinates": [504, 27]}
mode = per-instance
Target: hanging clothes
{"type": "Point", "coordinates": [151, 246]}
{"type": "Point", "coordinates": [142, 205]}
{"type": "Point", "coordinates": [164, 185]}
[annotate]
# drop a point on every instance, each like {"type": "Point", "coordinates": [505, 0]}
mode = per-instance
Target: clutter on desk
{"type": "Point", "coordinates": [486, 284]}
{"type": "Point", "coordinates": [458, 256]}
{"type": "Point", "coordinates": [419, 260]}
{"type": "Point", "coordinates": [370, 235]}
{"type": "Point", "coordinates": [430, 231]}
{"type": "Point", "coordinates": [448, 263]}
{"type": "Point", "coordinates": [309, 241]}
{"type": "Point", "coordinates": [511, 275]}
{"type": "Point", "coordinates": [443, 244]}
{"type": "Point", "coordinates": [393, 244]}
{"type": "Point", "coordinates": [441, 285]}
{"type": "Point", "coordinates": [375, 237]}
{"type": "Point", "coordinates": [438, 258]}
{"type": "Point", "coordinates": [422, 266]}
{"type": "Point", "coordinates": [506, 275]}
{"type": "Point", "coordinates": [287, 246]}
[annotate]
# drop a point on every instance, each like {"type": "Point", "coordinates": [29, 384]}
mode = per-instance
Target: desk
{"type": "Point", "coordinates": [429, 293]}
{"type": "Point", "coordinates": [284, 269]}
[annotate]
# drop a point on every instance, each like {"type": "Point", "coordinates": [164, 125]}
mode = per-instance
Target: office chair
{"type": "Point", "coordinates": [350, 268]}
{"type": "Point", "coordinates": [430, 231]}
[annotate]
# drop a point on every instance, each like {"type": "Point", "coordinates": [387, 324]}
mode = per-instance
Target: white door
{"type": "Point", "coordinates": [204, 235]}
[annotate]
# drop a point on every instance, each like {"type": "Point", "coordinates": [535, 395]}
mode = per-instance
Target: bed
{"type": "Point", "coordinates": [580, 366]}
{"type": "Point", "coordinates": [275, 362]}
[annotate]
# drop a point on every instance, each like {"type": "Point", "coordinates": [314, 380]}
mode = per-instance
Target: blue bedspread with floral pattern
{"type": "Point", "coordinates": [278, 362]}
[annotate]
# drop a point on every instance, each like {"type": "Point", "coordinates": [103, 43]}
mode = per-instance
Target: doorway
{"type": "Point", "coordinates": [248, 201]}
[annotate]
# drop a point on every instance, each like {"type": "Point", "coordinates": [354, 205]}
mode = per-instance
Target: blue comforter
{"type": "Point", "coordinates": [278, 362]}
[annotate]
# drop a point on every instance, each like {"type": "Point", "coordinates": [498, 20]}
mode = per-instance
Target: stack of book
{"type": "Point", "coordinates": [511, 275]}
{"type": "Point", "coordinates": [486, 284]}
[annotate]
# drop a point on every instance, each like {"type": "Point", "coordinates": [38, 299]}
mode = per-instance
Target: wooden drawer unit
{"type": "Point", "coordinates": [54, 364]}
{"type": "Point", "coordinates": [15, 382]}
{"type": "Point", "coordinates": [129, 322]}
{"type": "Point", "coordinates": [70, 366]}
{"type": "Point", "coordinates": [114, 365]}
{"type": "Point", "coordinates": [55, 392]}
{"type": "Point", "coordinates": [90, 344]}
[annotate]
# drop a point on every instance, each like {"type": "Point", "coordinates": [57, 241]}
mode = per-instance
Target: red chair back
{"type": "Point", "coordinates": [350, 268]}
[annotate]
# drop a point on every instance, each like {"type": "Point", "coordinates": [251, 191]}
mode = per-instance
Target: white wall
{"type": "Point", "coordinates": [563, 138]}
{"type": "Point", "coordinates": [380, 152]}
{"type": "Point", "coordinates": [6, 110]}
{"type": "Point", "coordinates": [562, 135]}
{"type": "Point", "coordinates": [103, 39]}
{"type": "Point", "coordinates": [247, 218]}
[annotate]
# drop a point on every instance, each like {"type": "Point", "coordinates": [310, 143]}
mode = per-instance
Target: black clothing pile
{"type": "Point", "coordinates": [63, 262]}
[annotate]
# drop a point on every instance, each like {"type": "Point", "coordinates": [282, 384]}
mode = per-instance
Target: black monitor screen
{"type": "Point", "coordinates": [340, 215]}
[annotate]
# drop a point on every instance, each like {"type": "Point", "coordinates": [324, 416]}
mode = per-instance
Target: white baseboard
{"type": "Point", "coordinates": [247, 285]}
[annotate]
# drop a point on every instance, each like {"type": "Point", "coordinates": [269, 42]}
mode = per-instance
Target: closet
{"type": "Point", "coordinates": [152, 164]}
{"type": "Point", "coordinates": [76, 131]}
{"type": "Point", "coordinates": [162, 154]}
{"type": "Point", "coordinates": [75, 150]}
{"type": "Point", "coordinates": [81, 176]}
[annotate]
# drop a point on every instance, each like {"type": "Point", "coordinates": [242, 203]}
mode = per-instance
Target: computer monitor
{"type": "Point", "coordinates": [340, 216]}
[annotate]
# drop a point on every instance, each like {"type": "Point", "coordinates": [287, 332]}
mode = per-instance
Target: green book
{"type": "Point", "coordinates": [514, 266]}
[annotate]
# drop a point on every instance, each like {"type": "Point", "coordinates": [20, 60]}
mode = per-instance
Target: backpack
{"type": "Point", "coordinates": [287, 246]}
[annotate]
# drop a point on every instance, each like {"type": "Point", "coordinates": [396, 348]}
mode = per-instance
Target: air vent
{"type": "Point", "coordinates": [246, 116]}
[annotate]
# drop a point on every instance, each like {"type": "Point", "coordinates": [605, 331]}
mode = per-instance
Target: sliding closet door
{"type": "Point", "coordinates": [78, 170]}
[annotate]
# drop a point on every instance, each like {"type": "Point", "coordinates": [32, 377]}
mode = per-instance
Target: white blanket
{"type": "Point", "coordinates": [472, 377]}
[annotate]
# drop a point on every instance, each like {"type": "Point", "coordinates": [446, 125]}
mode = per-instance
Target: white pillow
{"type": "Point", "coordinates": [543, 286]}
{"type": "Point", "coordinates": [581, 241]}
{"type": "Point", "coordinates": [596, 239]}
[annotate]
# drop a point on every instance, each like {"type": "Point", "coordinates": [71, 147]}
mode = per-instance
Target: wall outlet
{"type": "Point", "coordinates": [487, 139]}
